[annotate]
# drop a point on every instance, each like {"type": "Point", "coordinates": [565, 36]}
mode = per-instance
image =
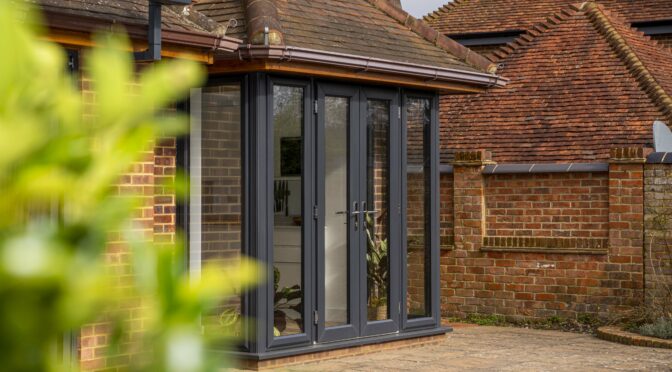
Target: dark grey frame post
{"type": "Point", "coordinates": [434, 203]}
{"type": "Point", "coordinates": [308, 228]}
{"type": "Point", "coordinates": [257, 229]}
{"type": "Point", "coordinates": [352, 329]}
{"type": "Point", "coordinates": [369, 328]}
{"type": "Point", "coordinates": [432, 206]}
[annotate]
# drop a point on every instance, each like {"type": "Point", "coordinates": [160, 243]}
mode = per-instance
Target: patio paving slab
{"type": "Point", "coordinates": [505, 349]}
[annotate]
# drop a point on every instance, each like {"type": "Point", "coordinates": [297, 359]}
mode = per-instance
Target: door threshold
{"type": "Point", "coordinates": [337, 349]}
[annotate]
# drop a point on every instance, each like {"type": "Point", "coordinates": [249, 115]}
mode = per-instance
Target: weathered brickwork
{"type": "Point", "coordinates": [547, 205]}
{"type": "Point", "coordinates": [164, 196]}
{"type": "Point", "coordinates": [446, 219]}
{"type": "Point", "coordinates": [544, 244]}
{"type": "Point", "coordinates": [153, 220]}
{"type": "Point", "coordinates": [94, 338]}
{"type": "Point", "coordinates": [658, 225]}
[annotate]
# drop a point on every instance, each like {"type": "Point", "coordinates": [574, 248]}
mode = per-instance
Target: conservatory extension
{"type": "Point", "coordinates": [320, 160]}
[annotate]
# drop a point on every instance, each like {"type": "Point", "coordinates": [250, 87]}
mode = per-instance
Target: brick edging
{"type": "Point", "coordinates": [616, 334]}
{"type": "Point", "coordinates": [545, 245]}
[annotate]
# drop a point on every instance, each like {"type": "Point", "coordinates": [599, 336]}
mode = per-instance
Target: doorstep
{"type": "Point", "coordinates": [326, 352]}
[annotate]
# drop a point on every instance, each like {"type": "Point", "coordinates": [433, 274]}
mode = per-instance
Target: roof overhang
{"type": "Point", "coordinates": [360, 67]}
{"type": "Point", "coordinates": [76, 29]}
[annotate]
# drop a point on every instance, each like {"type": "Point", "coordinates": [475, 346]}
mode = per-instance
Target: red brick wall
{"type": "Point", "coordinates": [446, 220]}
{"type": "Point", "coordinates": [154, 220]}
{"type": "Point", "coordinates": [574, 241]}
{"type": "Point", "coordinates": [94, 337]}
{"type": "Point", "coordinates": [658, 237]}
{"type": "Point", "coordinates": [547, 205]}
{"type": "Point", "coordinates": [164, 197]}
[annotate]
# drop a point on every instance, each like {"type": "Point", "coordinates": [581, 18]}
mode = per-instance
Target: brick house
{"type": "Point", "coordinates": [316, 139]}
{"type": "Point", "coordinates": [486, 25]}
{"type": "Point", "coordinates": [313, 145]}
{"type": "Point", "coordinates": [549, 193]}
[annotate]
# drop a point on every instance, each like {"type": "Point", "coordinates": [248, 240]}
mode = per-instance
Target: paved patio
{"type": "Point", "coordinates": [506, 349]}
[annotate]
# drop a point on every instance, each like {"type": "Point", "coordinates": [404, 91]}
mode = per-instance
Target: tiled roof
{"type": "Point", "coordinates": [129, 12]}
{"type": "Point", "coordinates": [477, 16]}
{"type": "Point", "coordinates": [357, 27]}
{"type": "Point", "coordinates": [581, 83]}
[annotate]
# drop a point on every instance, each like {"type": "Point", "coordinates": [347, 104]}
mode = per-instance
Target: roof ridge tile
{"type": "Point", "coordinates": [600, 18]}
{"type": "Point", "coordinates": [535, 31]}
{"type": "Point", "coordinates": [425, 31]}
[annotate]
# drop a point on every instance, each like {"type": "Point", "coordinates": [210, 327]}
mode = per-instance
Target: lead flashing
{"type": "Point", "coordinates": [546, 168]}
{"type": "Point", "coordinates": [659, 158]}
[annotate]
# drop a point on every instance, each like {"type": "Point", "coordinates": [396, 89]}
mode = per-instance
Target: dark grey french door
{"type": "Point", "coordinates": [357, 212]}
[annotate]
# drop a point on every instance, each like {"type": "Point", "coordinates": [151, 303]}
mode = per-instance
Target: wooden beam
{"type": "Point", "coordinates": [83, 40]}
{"type": "Point", "coordinates": [331, 72]}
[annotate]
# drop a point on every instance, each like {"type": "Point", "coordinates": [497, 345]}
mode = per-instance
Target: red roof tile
{"type": "Point", "coordinates": [581, 83]}
{"type": "Point", "coordinates": [476, 16]}
{"type": "Point", "coordinates": [130, 12]}
{"type": "Point", "coordinates": [357, 27]}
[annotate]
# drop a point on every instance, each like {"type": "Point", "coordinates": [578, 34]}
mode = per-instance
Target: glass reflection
{"type": "Point", "coordinates": [417, 218]}
{"type": "Point", "coordinates": [376, 215]}
{"type": "Point", "coordinates": [287, 207]}
{"type": "Point", "coordinates": [337, 114]}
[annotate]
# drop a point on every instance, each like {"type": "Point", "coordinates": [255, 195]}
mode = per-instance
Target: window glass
{"type": "Point", "coordinates": [418, 125]}
{"type": "Point", "coordinates": [288, 168]}
{"type": "Point", "coordinates": [216, 195]}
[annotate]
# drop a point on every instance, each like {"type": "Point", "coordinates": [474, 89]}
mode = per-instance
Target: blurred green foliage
{"type": "Point", "coordinates": [59, 158]}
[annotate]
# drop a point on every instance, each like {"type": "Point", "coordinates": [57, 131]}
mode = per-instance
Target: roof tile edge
{"type": "Point", "coordinates": [535, 31]}
{"type": "Point", "coordinates": [449, 45]}
{"type": "Point", "coordinates": [443, 9]}
{"type": "Point", "coordinates": [628, 55]}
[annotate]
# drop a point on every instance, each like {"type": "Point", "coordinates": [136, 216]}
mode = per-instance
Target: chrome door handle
{"type": "Point", "coordinates": [352, 214]}
{"type": "Point", "coordinates": [364, 211]}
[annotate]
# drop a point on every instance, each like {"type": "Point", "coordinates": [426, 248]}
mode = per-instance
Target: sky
{"type": "Point", "coordinates": [419, 8]}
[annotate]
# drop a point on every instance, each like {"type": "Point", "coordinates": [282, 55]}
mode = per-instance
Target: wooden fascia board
{"type": "Point", "coordinates": [83, 40]}
{"type": "Point", "coordinates": [330, 72]}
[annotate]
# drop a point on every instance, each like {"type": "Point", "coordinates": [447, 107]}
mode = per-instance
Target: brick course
{"type": "Point", "coordinates": [658, 224]}
{"type": "Point", "coordinates": [544, 267]}
{"type": "Point", "coordinates": [138, 181]}
{"type": "Point", "coordinates": [547, 205]}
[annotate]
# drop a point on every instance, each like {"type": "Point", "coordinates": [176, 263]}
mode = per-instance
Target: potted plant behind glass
{"type": "Point", "coordinates": [377, 268]}
{"type": "Point", "coordinates": [288, 305]}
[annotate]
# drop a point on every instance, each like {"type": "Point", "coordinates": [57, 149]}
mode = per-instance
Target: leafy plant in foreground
{"type": "Point", "coordinates": [59, 158]}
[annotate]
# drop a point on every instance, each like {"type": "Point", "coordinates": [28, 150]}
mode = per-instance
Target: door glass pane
{"type": "Point", "coordinates": [418, 123]}
{"type": "Point", "coordinates": [337, 115]}
{"type": "Point", "coordinates": [216, 199]}
{"type": "Point", "coordinates": [287, 210]}
{"type": "Point", "coordinates": [377, 207]}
